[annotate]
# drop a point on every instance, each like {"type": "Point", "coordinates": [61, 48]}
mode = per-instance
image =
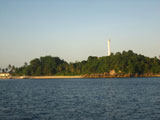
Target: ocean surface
{"type": "Point", "coordinates": [80, 99]}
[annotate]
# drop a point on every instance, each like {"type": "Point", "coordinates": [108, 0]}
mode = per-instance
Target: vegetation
{"type": "Point", "coordinates": [122, 63]}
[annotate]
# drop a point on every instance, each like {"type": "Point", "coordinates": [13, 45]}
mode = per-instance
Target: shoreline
{"type": "Point", "coordinates": [54, 77]}
{"type": "Point", "coordinates": [71, 77]}
{"type": "Point", "coordinates": [40, 77]}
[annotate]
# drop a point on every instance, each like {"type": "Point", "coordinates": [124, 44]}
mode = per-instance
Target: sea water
{"type": "Point", "coordinates": [80, 99]}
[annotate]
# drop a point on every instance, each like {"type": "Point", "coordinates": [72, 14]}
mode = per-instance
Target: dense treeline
{"type": "Point", "coordinates": [121, 63]}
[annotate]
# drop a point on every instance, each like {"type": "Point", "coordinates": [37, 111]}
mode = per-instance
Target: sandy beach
{"type": "Point", "coordinates": [40, 77]}
{"type": "Point", "coordinates": [65, 77]}
{"type": "Point", "coordinates": [54, 77]}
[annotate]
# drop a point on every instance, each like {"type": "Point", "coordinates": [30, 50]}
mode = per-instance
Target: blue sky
{"type": "Point", "coordinates": [76, 29]}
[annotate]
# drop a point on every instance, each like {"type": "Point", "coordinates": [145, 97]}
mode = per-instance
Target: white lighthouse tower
{"type": "Point", "coordinates": [109, 49]}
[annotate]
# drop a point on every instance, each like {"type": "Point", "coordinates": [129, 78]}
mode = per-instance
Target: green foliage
{"type": "Point", "coordinates": [125, 63]}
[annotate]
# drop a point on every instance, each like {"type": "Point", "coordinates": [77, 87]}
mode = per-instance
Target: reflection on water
{"type": "Point", "coordinates": [80, 99]}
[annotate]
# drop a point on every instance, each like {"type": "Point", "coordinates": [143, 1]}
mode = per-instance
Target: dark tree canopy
{"type": "Point", "coordinates": [125, 62]}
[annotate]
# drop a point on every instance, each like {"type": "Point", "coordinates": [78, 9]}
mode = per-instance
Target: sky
{"type": "Point", "coordinates": [76, 29]}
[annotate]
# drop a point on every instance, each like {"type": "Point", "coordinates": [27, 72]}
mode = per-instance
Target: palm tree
{"type": "Point", "coordinates": [3, 70]}
{"type": "Point", "coordinates": [9, 67]}
{"type": "Point", "coordinates": [6, 69]}
{"type": "Point", "coordinates": [13, 68]}
{"type": "Point", "coordinates": [25, 64]}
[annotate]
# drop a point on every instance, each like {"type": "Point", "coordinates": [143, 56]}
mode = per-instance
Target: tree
{"type": "Point", "coordinates": [3, 70]}
{"type": "Point", "coordinates": [126, 62]}
{"type": "Point", "coordinates": [13, 69]}
{"type": "Point", "coordinates": [6, 69]}
{"type": "Point", "coordinates": [25, 64]}
{"type": "Point", "coordinates": [34, 64]}
{"type": "Point", "coordinates": [9, 67]}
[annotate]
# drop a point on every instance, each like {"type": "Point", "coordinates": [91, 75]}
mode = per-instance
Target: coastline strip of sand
{"type": "Point", "coordinates": [63, 77]}
{"type": "Point", "coordinates": [40, 77]}
{"type": "Point", "coordinates": [54, 77]}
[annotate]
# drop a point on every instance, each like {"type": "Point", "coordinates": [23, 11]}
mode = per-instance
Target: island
{"type": "Point", "coordinates": [120, 64]}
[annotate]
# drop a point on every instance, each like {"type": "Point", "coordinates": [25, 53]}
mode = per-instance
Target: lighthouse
{"type": "Point", "coordinates": [109, 49]}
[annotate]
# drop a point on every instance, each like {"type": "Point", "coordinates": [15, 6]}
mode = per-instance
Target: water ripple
{"type": "Point", "coordinates": [80, 99]}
